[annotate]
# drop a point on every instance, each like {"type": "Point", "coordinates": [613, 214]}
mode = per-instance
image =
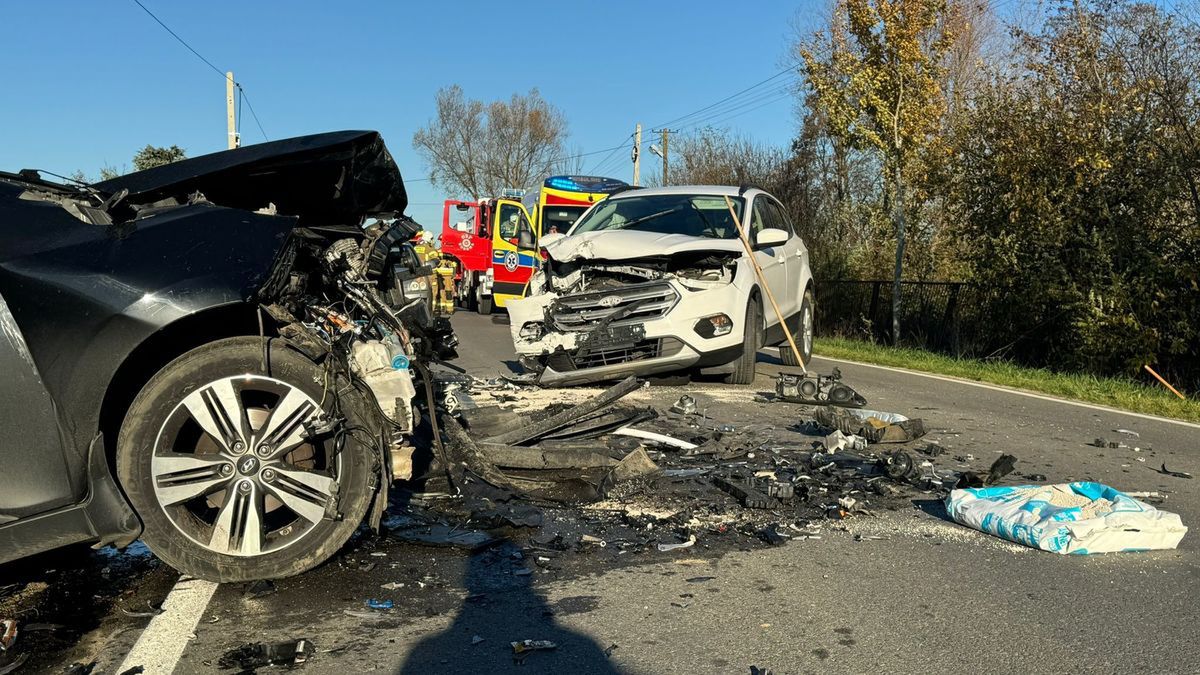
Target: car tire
{"type": "Point", "coordinates": [162, 437]}
{"type": "Point", "coordinates": [744, 367]}
{"type": "Point", "coordinates": [804, 337]}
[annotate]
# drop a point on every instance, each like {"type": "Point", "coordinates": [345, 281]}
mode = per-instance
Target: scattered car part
{"type": "Point", "coordinates": [665, 548]}
{"type": "Point", "coordinates": [747, 492]}
{"type": "Point", "coordinates": [875, 426]}
{"type": "Point", "coordinates": [529, 432]}
{"type": "Point", "coordinates": [1177, 474]}
{"type": "Point", "coordinates": [655, 437]}
{"type": "Point", "coordinates": [816, 389]}
{"type": "Point", "coordinates": [686, 405]}
{"type": "Point", "coordinates": [256, 655]}
{"type": "Point", "coordinates": [1000, 468]}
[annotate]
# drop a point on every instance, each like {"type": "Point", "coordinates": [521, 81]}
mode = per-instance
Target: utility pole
{"type": "Point", "coordinates": [637, 154]}
{"type": "Point", "coordinates": [665, 134]}
{"type": "Point", "coordinates": [230, 115]}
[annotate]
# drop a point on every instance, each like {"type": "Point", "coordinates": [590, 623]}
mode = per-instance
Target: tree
{"type": "Point", "coordinates": [481, 148]}
{"type": "Point", "coordinates": [152, 156]}
{"type": "Point", "coordinates": [877, 76]}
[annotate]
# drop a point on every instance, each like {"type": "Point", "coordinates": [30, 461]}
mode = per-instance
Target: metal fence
{"type": "Point", "coordinates": [931, 312]}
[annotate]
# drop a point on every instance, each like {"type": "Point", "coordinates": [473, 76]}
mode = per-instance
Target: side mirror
{"type": "Point", "coordinates": [525, 239]}
{"type": "Point", "coordinates": [771, 237]}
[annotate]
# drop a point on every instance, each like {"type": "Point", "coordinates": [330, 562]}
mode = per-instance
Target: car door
{"type": "Point", "coordinates": [512, 264]}
{"type": "Point", "coordinates": [791, 258]}
{"type": "Point", "coordinates": [33, 470]}
{"type": "Point", "coordinates": [770, 259]}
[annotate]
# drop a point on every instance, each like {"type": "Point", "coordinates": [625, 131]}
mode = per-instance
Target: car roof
{"type": "Point", "coordinates": [713, 190]}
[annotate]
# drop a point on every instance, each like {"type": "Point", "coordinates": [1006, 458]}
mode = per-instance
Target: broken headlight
{"type": "Point", "coordinates": [714, 326]}
{"type": "Point", "coordinates": [532, 331]}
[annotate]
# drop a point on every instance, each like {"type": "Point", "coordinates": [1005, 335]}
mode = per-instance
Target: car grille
{"type": "Point", "coordinates": [585, 310]}
{"type": "Point", "coordinates": [640, 351]}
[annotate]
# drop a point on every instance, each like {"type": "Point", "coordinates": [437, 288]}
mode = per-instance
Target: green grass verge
{"type": "Point", "coordinates": [1114, 392]}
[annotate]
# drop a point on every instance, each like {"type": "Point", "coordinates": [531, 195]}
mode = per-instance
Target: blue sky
{"type": "Point", "coordinates": [90, 82]}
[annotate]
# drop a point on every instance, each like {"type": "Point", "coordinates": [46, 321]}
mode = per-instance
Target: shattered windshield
{"type": "Point", "coordinates": [691, 215]}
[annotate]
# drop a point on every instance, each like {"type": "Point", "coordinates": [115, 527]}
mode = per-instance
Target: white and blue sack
{"type": "Point", "coordinates": [1105, 520]}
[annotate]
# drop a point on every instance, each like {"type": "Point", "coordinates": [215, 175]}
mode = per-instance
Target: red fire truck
{"type": "Point", "coordinates": [493, 261]}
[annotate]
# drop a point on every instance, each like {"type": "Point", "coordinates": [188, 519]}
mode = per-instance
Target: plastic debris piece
{"type": "Point", "coordinates": [674, 547]}
{"type": "Point", "coordinates": [838, 441]}
{"type": "Point", "coordinates": [1000, 468]}
{"type": "Point", "coordinates": [1078, 518]}
{"type": "Point", "coordinates": [635, 465]}
{"type": "Point", "coordinates": [259, 655]}
{"type": "Point", "coordinates": [686, 405]}
{"type": "Point", "coordinates": [526, 646]}
{"type": "Point", "coordinates": [380, 604]}
{"type": "Point", "coordinates": [1128, 432]}
{"type": "Point", "coordinates": [391, 585]}
{"type": "Point", "coordinates": [1178, 474]}
{"type": "Point", "coordinates": [476, 640]}
{"type": "Point", "coordinates": [661, 439]}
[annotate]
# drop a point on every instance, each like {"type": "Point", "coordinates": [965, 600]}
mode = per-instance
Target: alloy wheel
{"type": "Point", "coordinates": [234, 468]}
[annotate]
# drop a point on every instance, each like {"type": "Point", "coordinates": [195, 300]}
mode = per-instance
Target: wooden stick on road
{"type": "Point", "coordinates": [1164, 382]}
{"type": "Point", "coordinates": [763, 280]}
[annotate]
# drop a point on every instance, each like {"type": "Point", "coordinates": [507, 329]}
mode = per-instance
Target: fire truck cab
{"type": "Point", "coordinates": [494, 245]}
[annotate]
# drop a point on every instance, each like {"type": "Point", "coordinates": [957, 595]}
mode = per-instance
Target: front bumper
{"type": "Point", "coordinates": [637, 346]}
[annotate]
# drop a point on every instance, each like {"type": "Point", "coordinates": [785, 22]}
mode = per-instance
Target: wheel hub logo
{"type": "Point", "coordinates": [248, 465]}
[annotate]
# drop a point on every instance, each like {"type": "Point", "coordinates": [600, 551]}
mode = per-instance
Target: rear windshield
{"type": "Point", "coordinates": [691, 215]}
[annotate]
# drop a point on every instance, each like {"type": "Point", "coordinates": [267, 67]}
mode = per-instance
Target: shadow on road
{"type": "Point", "coordinates": [501, 608]}
{"type": "Point", "coordinates": [933, 507]}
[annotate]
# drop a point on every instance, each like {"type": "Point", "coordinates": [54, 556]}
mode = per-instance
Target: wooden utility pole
{"type": "Point", "coordinates": [230, 114]}
{"type": "Point", "coordinates": [637, 154]}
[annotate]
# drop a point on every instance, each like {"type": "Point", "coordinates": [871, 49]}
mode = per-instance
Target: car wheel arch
{"type": "Point", "coordinates": [163, 346]}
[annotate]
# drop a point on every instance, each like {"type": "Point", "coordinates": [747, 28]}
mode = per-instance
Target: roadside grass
{"type": "Point", "coordinates": [1114, 392]}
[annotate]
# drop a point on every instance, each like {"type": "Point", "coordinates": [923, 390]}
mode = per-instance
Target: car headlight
{"type": "Point", "coordinates": [532, 331]}
{"type": "Point", "coordinates": [714, 326]}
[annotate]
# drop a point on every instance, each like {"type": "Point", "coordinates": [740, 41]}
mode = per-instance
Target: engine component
{"type": "Point", "coordinates": [818, 390]}
{"type": "Point", "coordinates": [372, 361]}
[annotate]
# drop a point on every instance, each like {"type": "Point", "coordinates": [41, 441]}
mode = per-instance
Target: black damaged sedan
{"type": "Point", "coordinates": [216, 355]}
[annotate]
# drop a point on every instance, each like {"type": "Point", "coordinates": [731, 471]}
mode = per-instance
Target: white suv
{"type": "Point", "coordinates": [657, 280]}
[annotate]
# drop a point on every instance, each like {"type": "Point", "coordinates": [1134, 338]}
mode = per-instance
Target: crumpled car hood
{"type": "Point", "coordinates": [332, 178]}
{"type": "Point", "coordinates": [631, 244]}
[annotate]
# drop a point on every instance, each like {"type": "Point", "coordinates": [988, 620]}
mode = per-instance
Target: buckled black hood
{"type": "Point", "coordinates": [332, 178]}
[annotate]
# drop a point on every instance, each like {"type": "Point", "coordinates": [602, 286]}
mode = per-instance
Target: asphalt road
{"type": "Point", "coordinates": [903, 591]}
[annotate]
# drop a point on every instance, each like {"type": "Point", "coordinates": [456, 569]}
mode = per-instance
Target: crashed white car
{"type": "Point", "coordinates": [656, 281]}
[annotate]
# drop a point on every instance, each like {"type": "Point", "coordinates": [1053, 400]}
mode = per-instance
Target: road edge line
{"type": "Point", "coordinates": [163, 641]}
{"type": "Point", "coordinates": [1019, 392]}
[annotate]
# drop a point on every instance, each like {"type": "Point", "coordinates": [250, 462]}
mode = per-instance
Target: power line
{"type": "Point", "coordinates": [181, 40]}
{"type": "Point", "coordinates": [253, 114]}
{"type": "Point", "coordinates": [241, 89]}
{"type": "Point", "coordinates": [727, 98]}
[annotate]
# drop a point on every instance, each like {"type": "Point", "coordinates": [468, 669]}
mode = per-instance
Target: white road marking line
{"type": "Point", "coordinates": [161, 645]}
{"type": "Point", "coordinates": [1018, 392]}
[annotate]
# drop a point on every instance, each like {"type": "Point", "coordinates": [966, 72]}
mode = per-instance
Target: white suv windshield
{"type": "Point", "coordinates": [691, 215]}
